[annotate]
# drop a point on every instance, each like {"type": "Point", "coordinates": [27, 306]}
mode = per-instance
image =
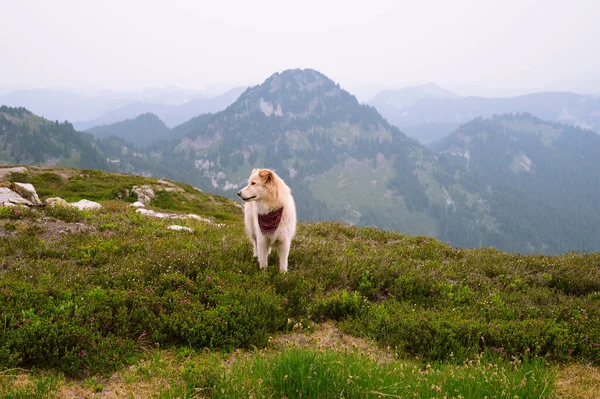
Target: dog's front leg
{"type": "Point", "coordinates": [263, 252]}
{"type": "Point", "coordinates": [283, 250]}
{"type": "Point", "coordinates": [255, 247]}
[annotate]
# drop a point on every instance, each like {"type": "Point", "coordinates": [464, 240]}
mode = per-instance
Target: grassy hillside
{"type": "Point", "coordinates": [193, 313]}
{"type": "Point", "coordinates": [29, 139]}
{"type": "Point", "coordinates": [75, 184]}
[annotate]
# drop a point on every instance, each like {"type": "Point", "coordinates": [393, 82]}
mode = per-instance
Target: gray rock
{"type": "Point", "coordinates": [149, 212]}
{"type": "Point", "coordinates": [180, 228]}
{"type": "Point", "coordinates": [192, 216]}
{"type": "Point", "coordinates": [26, 191]}
{"type": "Point", "coordinates": [10, 198]}
{"type": "Point", "coordinates": [55, 201]}
{"type": "Point", "coordinates": [137, 204]}
{"type": "Point", "coordinates": [144, 194]}
{"type": "Point", "coordinates": [165, 183]}
{"type": "Point", "coordinates": [85, 205]}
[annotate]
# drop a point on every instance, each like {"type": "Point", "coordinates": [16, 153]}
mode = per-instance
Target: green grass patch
{"type": "Point", "coordinates": [86, 184]}
{"type": "Point", "coordinates": [308, 373]}
{"type": "Point", "coordinates": [219, 208]}
{"type": "Point", "coordinates": [14, 384]}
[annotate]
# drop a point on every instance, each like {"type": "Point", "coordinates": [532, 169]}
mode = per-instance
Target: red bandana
{"type": "Point", "coordinates": [268, 223]}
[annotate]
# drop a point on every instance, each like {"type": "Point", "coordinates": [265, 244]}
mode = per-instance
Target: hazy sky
{"type": "Point", "coordinates": [474, 47]}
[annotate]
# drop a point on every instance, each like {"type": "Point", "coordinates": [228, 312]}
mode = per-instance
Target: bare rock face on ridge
{"type": "Point", "coordinates": [26, 191]}
{"type": "Point", "coordinates": [145, 194]}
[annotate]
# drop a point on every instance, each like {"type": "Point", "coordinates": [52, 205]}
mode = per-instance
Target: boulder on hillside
{"type": "Point", "coordinates": [149, 212]}
{"type": "Point", "coordinates": [144, 194]}
{"type": "Point", "coordinates": [192, 216]}
{"type": "Point", "coordinates": [180, 228]}
{"type": "Point", "coordinates": [84, 205]}
{"type": "Point", "coordinates": [26, 191]}
{"type": "Point", "coordinates": [165, 183]}
{"type": "Point", "coordinates": [55, 201]}
{"type": "Point", "coordinates": [10, 198]}
{"type": "Point", "coordinates": [137, 204]}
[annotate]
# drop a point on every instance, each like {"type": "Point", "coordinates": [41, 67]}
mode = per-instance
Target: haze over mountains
{"type": "Point", "coordinates": [171, 114]}
{"type": "Point", "coordinates": [429, 112]}
{"type": "Point", "coordinates": [171, 104]}
{"type": "Point", "coordinates": [514, 181]}
{"type": "Point", "coordinates": [481, 185]}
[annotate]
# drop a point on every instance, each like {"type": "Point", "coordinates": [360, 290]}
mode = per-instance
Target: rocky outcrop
{"type": "Point", "coordinates": [144, 194]}
{"type": "Point", "coordinates": [85, 205]}
{"type": "Point", "coordinates": [24, 194]}
{"type": "Point", "coordinates": [26, 191]}
{"type": "Point", "coordinates": [10, 198]}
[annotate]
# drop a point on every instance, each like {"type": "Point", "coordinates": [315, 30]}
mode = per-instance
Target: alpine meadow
{"type": "Point", "coordinates": [300, 200]}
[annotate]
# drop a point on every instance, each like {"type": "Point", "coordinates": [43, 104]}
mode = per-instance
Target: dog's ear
{"type": "Point", "coordinates": [266, 175]}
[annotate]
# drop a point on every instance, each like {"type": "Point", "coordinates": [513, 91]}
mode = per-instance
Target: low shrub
{"type": "Point", "coordinates": [338, 306]}
{"type": "Point", "coordinates": [67, 214]}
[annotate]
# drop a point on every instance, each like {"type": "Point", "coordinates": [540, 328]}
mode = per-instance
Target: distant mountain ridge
{"type": "Point", "coordinates": [430, 119]}
{"type": "Point", "coordinates": [513, 181]}
{"type": "Point", "coordinates": [298, 122]}
{"type": "Point", "coordinates": [540, 179]}
{"type": "Point", "coordinates": [345, 162]}
{"type": "Point", "coordinates": [59, 104]}
{"type": "Point", "coordinates": [144, 130]}
{"type": "Point", "coordinates": [173, 105]}
{"type": "Point", "coordinates": [171, 115]}
{"type": "Point", "coordinates": [407, 96]}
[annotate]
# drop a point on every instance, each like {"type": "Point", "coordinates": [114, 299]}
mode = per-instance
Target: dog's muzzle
{"type": "Point", "coordinates": [239, 193]}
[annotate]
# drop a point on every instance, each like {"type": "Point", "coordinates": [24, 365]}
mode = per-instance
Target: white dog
{"type": "Point", "coordinates": [269, 215]}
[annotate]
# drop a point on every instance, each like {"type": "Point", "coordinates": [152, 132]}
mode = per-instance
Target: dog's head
{"type": "Point", "coordinates": [261, 186]}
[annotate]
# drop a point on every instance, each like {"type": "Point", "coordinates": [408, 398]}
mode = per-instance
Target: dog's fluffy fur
{"type": "Point", "coordinates": [266, 192]}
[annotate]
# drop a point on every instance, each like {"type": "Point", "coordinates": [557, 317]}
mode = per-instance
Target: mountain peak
{"type": "Point", "coordinates": [296, 81]}
{"type": "Point", "coordinates": [149, 117]}
{"type": "Point", "coordinates": [296, 94]}
{"type": "Point", "coordinates": [300, 79]}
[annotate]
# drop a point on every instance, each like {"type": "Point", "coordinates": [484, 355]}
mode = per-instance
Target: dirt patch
{"type": "Point", "coordinates": [328, 336]}
{"type": "Point", "coordinates": [20, 381]}
{"type": "Point", "coordinates": [47, 229]}
{"type": "Point", "coordinates": [113, 387]}
{"type": "Point", "coordinates": [578, 382]}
